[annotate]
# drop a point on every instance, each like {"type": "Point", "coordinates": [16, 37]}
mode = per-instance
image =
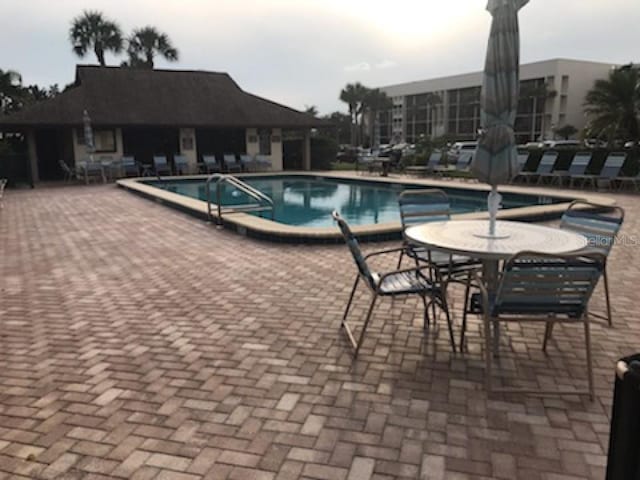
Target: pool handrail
{"type": "Point", "coordinates": [242, 186]}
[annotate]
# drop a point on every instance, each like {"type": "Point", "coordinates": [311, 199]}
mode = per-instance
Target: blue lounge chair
{"type": "Point", "coordinates": [463, 162]}
{"type": "Point", "coordinates": [247, 162]}
{"type": "Point", "coordinates": [210, 164]}
{"type": "Point", "coordinates": [413, 281]}
{"type": "Point", "coordinates": [544, 288]}
{"type": "Point", "coordinates": [577, 170]}
{"type": "Point", "coordinates": [230, 163]}
{"type": "Point", "coordinates": [545, 166]}
{"type": "Point", "coordinates": [600, 229]}
{"type": "Point", "coordinates": [523, 158]}
{"type": "Point", "coordinates": [611, 169]}
{"type": "Point", "coordinates": [160, 165]}
{"type": "Point", "coordinates": [181, 164]}
{"type": "Point", "coordinates": [432, 164]}
{"type": "Point", "coordinates": [129, 166]}
{"type": "Point", "coordinates": [262, 163]}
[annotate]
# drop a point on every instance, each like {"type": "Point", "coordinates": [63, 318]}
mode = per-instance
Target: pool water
{"type": "Point", "coordinates": [309, 200]}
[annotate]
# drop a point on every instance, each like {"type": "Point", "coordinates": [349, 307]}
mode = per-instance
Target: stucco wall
{"type": "Point", "coordinates": [253, 147]}
{"type": "Point", "coordinates": [189, 147]}
{"type": "Point", "coordinates": [80, 152]}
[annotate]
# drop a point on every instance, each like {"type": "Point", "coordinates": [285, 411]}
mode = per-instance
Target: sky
{"type": "Point", "coordinates": [303, 52]}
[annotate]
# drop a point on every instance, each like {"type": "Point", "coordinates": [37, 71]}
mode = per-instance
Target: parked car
{"type": "Point", "coordinates": [459, 147]}
{"type": "Point", "coordinates": [631, 144]}
{"type": "Point", "coordinates": [560, 143]}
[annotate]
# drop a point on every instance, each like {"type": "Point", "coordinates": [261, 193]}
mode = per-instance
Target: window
{"type": "Point", "coordinates": [264, 136]}
{"type": "Point", "coordinates": [104, 140]}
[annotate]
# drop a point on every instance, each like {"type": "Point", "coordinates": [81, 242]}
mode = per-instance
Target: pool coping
{"type": "Point", "coordinates": [262, 228]}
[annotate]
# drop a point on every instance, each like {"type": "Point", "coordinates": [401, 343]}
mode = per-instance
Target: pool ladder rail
{"type": "Point", "coordinates": [263, 202]}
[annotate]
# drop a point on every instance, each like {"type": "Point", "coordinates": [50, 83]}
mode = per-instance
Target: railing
{"type": "Point", "coordinates": [264, 203]}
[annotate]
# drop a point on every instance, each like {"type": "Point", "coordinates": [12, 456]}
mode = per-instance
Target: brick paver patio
{"type": "Point", "coordinates": [137, 342]}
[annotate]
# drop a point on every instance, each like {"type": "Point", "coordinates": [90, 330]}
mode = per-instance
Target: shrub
{"type": "Point", "coordinates": [323, 152]}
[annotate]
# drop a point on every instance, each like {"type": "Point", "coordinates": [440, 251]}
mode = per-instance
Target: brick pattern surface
{"type": "Point", "coordinates": [137, 342]}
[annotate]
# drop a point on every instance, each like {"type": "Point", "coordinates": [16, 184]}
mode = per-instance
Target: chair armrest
{"type": "Point", "coordinates": [418, 271]}
{"type": "Point", "coordinates": [381, 252]}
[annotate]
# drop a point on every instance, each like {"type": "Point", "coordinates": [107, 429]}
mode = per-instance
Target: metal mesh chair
{"type": "Point", "coordinates": [129, 166]}
{"type": "Point", "coordinates": [600, 229]}
{"type": "Point", "coordinates": [160, 165]}
{"type": "Point", "coordinates": [230, 163]}
{"type": "Point", "coordinates": [543, 288]}
{"type": "Point", "coordinates": [414, 281]}
{"type": "Point", "coordinates": [181, 164]}
{"type": "Point", "coordinates": [418, 206]}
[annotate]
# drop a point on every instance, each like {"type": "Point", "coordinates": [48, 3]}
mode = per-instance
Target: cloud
{"type": "Point", "coordinates": [386, 64]}
{"type": "Point", "coordinates": [358, 67]}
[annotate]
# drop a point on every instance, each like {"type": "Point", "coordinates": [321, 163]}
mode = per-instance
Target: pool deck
{"type": "Point", "coordinates": [258, 227]}
{"type": "Point", "coordinates": [140, 343]}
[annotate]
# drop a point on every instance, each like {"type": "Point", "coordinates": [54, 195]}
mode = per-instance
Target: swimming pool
{"type": "Point", "coordinates": [304, 201]}
{"type": "Point", "coordinates": [307, 201]}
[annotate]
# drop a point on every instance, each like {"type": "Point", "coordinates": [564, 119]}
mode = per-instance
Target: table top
{"type": "Point", "coordinates": [470, 237]}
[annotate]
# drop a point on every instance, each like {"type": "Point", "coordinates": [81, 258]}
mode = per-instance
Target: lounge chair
{"type": "Point", "coordinates": [231, 164]}
{"type": "Point", "coordinates": [89, 169]}
{"type": "Point", "coordinates": [3, 184]}
{"type": "Point", "coordinates": [129, 166]}
{"type": "Point", "coordinates": [576, 170]}
{"type": "Point", "coordinates": [263, 163]}
{"type": "Point", "coordinates": [600, 229]}
{"type": "Point", "coordinates": [69, 174]}
{"type": "Point", "coordinates": [247, 162]}
{"type": "Point", "coordinates": [543, 288]}
{"type": "Point", "coordinates": [181, 164]}
{"type": "Point", "coordinates": [432, 163]}
{"type": "Point", "coordinates": [523, 158]}
{"type": "Point", "coordinates": [160, 165]}
{"type": "Point", "coordinates": [463, 163]}
{"type": "Point", "coordinates": [611, 169]}
{"type": "Point", "coordinates": [545, 167]}
{"type": "Point", "coordinates": [210, 164]}
{"type": "Point", "coordinates": [412, 281]}
{"type": "Point", "coordinates": [632, 181]}
{"type": "Point", "coordinates": [419, 206]}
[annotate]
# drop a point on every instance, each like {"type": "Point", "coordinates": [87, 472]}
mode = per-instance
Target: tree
{"type": "Point", "coordinates": [146, 43]}
{"type": "Point", "coordinates": [566, 131]}
{"type": "Point", "coordinates": [10, 90]}
{"type": "Point", "coordinates": [375, 100]}
{"type": "Point", "coordinates": [311, 110]}
{"type": "Point", "coordinates": [613, 105]}
{"type": "Point", "coordinates": [92, 30]}
{"type": "Point", "coordinates": [353, 95]}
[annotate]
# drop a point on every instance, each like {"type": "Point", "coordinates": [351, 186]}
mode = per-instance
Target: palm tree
{"type": "Point", "coordinates": [311, 110]}
{"type": "Point", "coordinates": [10, 90]}
{"type": "Point", "coordinates": [353, 95]}
{"type": "Point", "coordinates": [375, 101]}
{"type": "Point", "coordinates": [92, 30]}
{"type": "Point", "coordinates": [145, 43]}
{"type": "Point", "coordinates": [613, 105]}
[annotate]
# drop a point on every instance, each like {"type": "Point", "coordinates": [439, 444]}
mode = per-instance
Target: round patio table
{"type": "Point", "coordinates": [471, 238]}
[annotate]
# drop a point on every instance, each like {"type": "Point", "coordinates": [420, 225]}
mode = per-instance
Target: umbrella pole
{"type": "Point", "coordinates": [493, 203]}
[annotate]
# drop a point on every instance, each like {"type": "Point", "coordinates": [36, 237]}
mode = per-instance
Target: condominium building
{"type": "Point", "coordinates": [552, 95]}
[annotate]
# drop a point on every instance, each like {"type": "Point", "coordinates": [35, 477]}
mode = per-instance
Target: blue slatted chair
{"type": "Point", "coordinates": [545, 167]}
{"type": "Point", "coordinates": [413, 281]}
{"type": "Point", "coordinates": [418, 206]}
{"type": "Point", "coordinates": [181, 164]}
{"type": "Point", "coordinates": [523, 158]}
{"type": "Point", "coordinates": [576, 170]}
{"type": "Point", "coordinates": [160, 165]}
{"type": "Point", "coordinates": [600, 229]}
{"type": "Point", "coordinates": [611, 169]}
{"type": "Point", "coordinates": [129, 166]}
{"type": "Point", "coordinates": [430, 167]}
{"type": "Point", "coordinates": [543, 288]}
{"type": "Point", "coordinates": [247, 162]}
{"type": "Point", "coordinates": [262, 163]}
{"type": "Point", "coordinates": [210, 164]}
{"type": "Point", "coordinates": [230, 163]}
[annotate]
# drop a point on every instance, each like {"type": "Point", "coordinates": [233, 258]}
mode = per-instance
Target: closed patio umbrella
{"type": "Point", "coordinates": [496, 158]}
{"type": "Point", "coordinates": [88, 134]}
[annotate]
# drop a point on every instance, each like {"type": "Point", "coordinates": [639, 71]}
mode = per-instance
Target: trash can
{"type": "Point", "coordinates": [623, 462]}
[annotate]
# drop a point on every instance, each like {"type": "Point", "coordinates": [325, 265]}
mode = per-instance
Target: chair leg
{"type": "Point", "coordinates": [548, 330]}
{"type": "Point", "coordinates": [465, 307]}
{"type": "Point", "coordinates": [445, 307]}
{"type": "Point", "coordinates": [353, 292]}
{"type": "Point", "coordinates": [587, 338]}
{"type": "Point", "coordinates": [606, 293]}
{"type": "Point", "coordinates": [366, 324]}
{"type": "Point", "coordinates": [400, 259]}
{"type": "Point", "coordinates": [425, 321]}
{"type": "Point", "coordinates": [488, 354]}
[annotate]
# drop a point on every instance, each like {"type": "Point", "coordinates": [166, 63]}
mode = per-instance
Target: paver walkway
{"type": "Point", "coordinates": [137, 342]}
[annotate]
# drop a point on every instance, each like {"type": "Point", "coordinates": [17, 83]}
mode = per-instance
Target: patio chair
{"type": "Point", "coordinates": [210, 164]}
{"type": "Point", "coordinates": [247, 162]}
{"type": "Point", "coordinates": [88, 169]}
{"type": "Point", "coordinates": [412, 281]}
{"type": "Point", "coordinates": [544, 170]}
{"type": "Point", "coordinates": [230, 163]}
{"type": "Point", "coordinates": [463, 164]}
{"type": "Point", "coordinates": [523, 158]}
{"type": "Point", "coordinates": [263, 163]}
{"type": "Point", "coordinates": [160, 165]}
{"type": "Point", "coordinates": [67, 171]}
{"type": "Point", "coordinates": [129, 166]}
{"type": "Point", "coordinates": [600, 229]}
{"type": "Point", "coordinates": [419, 206]}
{"type": "Point", "coordinates": [611, 169]}
{"type": "Point", "coordinates": [181, 164]}
{"type": "Point", "coordinates": [576, 170]}
{"type": "Point", "coordinates": [430, 167]}
{"type": "Point", "coordinates": [632, 181]}
{"type": "Point", "coordinates": [538, 287]}
{"type": "Point", "coordinates": [3, 184]}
